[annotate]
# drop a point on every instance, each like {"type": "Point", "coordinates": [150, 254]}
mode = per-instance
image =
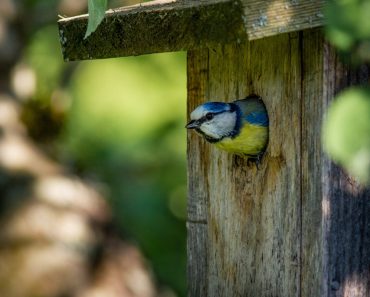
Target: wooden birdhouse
{"type": "Point", "coordinates": [298, 225]}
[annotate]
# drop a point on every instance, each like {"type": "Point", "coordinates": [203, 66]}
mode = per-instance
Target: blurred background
{"type": "Point", "coordinates": [92, 156]}
{"type": "Point", "coordinates": [92, 164]}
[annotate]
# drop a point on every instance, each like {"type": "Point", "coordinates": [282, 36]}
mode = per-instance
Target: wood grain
{"type": "Point", "coordinates": [170, 25]}
{"type": "Point", "coordinates": [197, 205]}
{"type": "Point", "coordinates": [269, 18]}
{"type": "Point", "coordinates": [313, 111]}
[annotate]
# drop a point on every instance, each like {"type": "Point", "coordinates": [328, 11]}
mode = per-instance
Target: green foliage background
{"type": "Point", "coordinates": [346, 129]}
{"type": "Point", "coordinates": [126, 125]}
{"type": "Point", "coordinates": [123, 126]}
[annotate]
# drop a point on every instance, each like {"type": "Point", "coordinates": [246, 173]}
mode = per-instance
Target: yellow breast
{"type": "Point", "coordinates": [251, 140]}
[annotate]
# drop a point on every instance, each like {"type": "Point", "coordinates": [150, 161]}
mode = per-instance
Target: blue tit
{"type": "Point", "coordinates": [240, 127]}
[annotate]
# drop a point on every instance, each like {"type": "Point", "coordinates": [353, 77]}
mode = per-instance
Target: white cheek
{"type": "Point", "coordinates": [220, 126]}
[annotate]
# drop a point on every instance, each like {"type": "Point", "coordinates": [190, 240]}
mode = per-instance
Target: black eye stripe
{"type": "Point", "coordinates": [204, 118]}
{"type": "Point", "coordinates": [209, 116]}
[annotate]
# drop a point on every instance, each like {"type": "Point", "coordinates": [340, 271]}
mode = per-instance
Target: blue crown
{"type": "Point", "coordinates": [216, 107]}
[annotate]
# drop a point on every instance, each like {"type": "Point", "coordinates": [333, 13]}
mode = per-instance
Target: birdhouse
{"type": "Point", "coordinates": [296, 226]}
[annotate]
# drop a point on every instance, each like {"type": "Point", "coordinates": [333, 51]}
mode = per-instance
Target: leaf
{"type": "Point", "coordinates": [348, 27]}
{"type": "Point", "coordinates": [96, 15]}
{"type": "Point", "coordinates": [346, 132]}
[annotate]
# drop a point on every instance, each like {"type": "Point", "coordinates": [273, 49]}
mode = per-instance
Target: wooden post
{"type": "Point", "coordinates": [298, 226]}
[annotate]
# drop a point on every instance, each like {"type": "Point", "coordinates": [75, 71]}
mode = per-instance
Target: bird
{"type": "Point", "coordinates": [240, 127]}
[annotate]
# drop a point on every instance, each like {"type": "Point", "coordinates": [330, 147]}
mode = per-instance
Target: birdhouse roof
{"type": "Point", "coordinates": [170, 25]}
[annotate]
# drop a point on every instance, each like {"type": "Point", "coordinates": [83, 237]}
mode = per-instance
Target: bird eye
{"type": "Point", "coordinates": [209, 116]}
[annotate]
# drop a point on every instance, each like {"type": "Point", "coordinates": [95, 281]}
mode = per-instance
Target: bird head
{"type": "Point", "coordinates": [215, 120]}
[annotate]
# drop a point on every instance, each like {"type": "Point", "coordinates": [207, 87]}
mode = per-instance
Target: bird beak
{"type": "Point", "coordinates": [192, 124]}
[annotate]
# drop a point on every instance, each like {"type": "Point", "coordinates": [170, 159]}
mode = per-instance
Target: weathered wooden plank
{"type": "Point", "coordinates": [157, 26]}
{"type": "Point", "coordinates": [253, 221]}
{"type": "Point", "coordinates": [312, 113]}
{"type": "Point", "coordinates": [336, 225]}
{"type": "Point", "coordinates": [346, 204]}
{"type": "Point", "coordinates": [197, 251]}
{"type": "Point", "coordinates": [170, 25]}
{"type": "Point", "coordinates": [197, 240]}
{"type": "Point", "coordinates": [197, 87]}
{"type": "Point", "coordinates": [268, 18]}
